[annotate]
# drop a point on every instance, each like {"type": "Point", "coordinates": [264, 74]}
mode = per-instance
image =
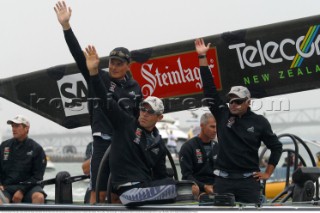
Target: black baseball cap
{"type": "Point", "coordinates": [120, 53]}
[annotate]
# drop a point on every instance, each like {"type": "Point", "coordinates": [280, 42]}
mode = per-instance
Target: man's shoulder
{"type": "Point", "coordinates": [34, 143]}
{"type": "Point", "coordinates": [7, 142]}
{"type": "Point", "coordinates": [259, 117]}
{"type": "Point", "coordinates": [191, 142]}
{"type": "Point", "coordinates": [131, 83]}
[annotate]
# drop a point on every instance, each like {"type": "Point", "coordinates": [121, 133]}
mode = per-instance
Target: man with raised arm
{"type": "Point", "coordinates": [119, 85]}
{"type": "Point", "coordinates": [138, 153]}
{"type": "Point", "coordinates": [240, 133]}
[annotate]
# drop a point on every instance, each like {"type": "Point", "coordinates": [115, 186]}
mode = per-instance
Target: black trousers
{"type": "Point", "coordinates": [245, 190]}
{"type": "Point", "coordinates": [100, 146]}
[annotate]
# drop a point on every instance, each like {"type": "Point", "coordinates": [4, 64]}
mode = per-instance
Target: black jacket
{"type": "Point", "coordinates": [21, 162]}
{"type": "Point", "coordinates": [128, 91]}
{"type": "Point", "coordinates": [239, 137]}
{"type": "Point", "coordinates": [194, 163]}
{"type": "Point", "coordinates": [131, 159]}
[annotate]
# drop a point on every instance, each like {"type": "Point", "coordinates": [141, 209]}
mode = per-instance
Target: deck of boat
{"type": "Point", "coordinates": [307, 206]}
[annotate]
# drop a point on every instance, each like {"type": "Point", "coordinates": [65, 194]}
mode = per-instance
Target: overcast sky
{"type": "Point", "coordinates": [31, 38]}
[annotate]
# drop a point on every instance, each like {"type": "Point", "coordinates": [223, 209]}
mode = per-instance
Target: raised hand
{"type": "Point", "coordinates": [63, 14]}
{"type": "Point", "coordinates": [92, 60]}
{"type": "Point", "coordinates": [201, 48]}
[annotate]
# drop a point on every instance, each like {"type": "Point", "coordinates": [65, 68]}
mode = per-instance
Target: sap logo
{"type": "Point", "coordinates": [73, 91]}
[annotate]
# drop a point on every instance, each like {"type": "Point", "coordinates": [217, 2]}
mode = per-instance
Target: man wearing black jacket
{"type": "Point", "coordinates": [138, 154]}
{"type": "Point", "coordinates": [21, 160]}
{"type": "Point", "coordinates": [240, 133]}
{"type": "Point", "coordinates": [197, 156]}
{"type": "Point", "coordinates": [120, 86]}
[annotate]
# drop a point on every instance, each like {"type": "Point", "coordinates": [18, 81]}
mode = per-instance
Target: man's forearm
{"type": "Point", "coordinates": [269, 170]}
{"type": "Point", "coordinates": [76, 52]}
{"type": "Point", "coordinates": [203, 60]}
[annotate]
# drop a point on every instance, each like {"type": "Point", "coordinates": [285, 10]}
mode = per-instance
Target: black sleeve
{"type": "Point", "coordinates": [272, 142]}
{"type": "Point", "coordinates": [109, 106]}
{"type": "Point", "coordinates": [136, 110]}
{"type": "Point", "coordinates": [39, 163]}
{"type": "Point", "coordinates": [77, 52]}
{"type": "Point", "coordinates": [210, 92]}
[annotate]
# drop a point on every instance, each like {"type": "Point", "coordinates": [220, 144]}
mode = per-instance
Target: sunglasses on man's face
{"type": "Point", "coordinates": [237, 101]}
{"type": "Point", "coordinates": [149, 111]}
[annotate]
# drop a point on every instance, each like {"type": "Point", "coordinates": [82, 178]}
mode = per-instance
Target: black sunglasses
{"type": "Point", "coordinates": [149, 111]}
{"type": "Point", "coordinates": [238, 101]}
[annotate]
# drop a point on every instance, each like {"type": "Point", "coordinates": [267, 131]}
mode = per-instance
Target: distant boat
{"type": "Point", "coordinates": [168, 124]}
{"type": "Point", "coordinates": [50, 165]}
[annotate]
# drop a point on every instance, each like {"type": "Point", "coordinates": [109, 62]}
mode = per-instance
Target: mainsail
{"type": "Point", "coordinates": [270, 60]}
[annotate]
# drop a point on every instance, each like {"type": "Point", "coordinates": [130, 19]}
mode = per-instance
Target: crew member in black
{"type": "Point", "coordinates": [22, 160]}
{"type": "Point", "coordinates": [240, 133]}
{"type": "Point", "coordinates": [138, 155]}
{"type": "Point", "coordinates": [197, 156]}
{"type": "Point", "coordinates": [120, 86]}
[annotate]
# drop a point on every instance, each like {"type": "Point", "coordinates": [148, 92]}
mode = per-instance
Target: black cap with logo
{"type": "Point", "coordinates": [120, 53]}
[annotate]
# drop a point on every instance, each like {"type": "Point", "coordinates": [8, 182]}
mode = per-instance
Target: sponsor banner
{"type": "Point", "coordinates": [274, 59]}
{"type": "Point", "coordinates": [73, 89]}
{"type": "Point", "coordinates": [174, 75]}
{"type": "Point", "coordinates": [270, 60]}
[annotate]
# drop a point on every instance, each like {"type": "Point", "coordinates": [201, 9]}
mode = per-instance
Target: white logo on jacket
{"type": "Point", "coordinates": [155, 150]}
{"type": "Point", "coordinates": [132, 93]}
{"type": "Point", "coordinates": [112, 86]}
{"type": "Point", "coordinates": [251, 129]}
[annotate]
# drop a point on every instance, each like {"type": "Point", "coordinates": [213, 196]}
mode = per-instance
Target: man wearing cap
{"type": "Point", "coordinates": [138, 154]}
{"type": "Point", "coordinates": [120, 86]}
{"type": "Point", "coordinates": [240, 133]}
{"type": "Point", "coordinates": [22, 161]}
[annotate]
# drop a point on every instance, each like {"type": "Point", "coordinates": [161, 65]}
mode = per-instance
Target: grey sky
{"type": "Point", "coordinates": [31, 38]}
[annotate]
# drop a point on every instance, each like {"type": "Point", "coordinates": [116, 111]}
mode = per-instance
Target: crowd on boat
{"type": "Point", "coordinates": [222, 158]}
